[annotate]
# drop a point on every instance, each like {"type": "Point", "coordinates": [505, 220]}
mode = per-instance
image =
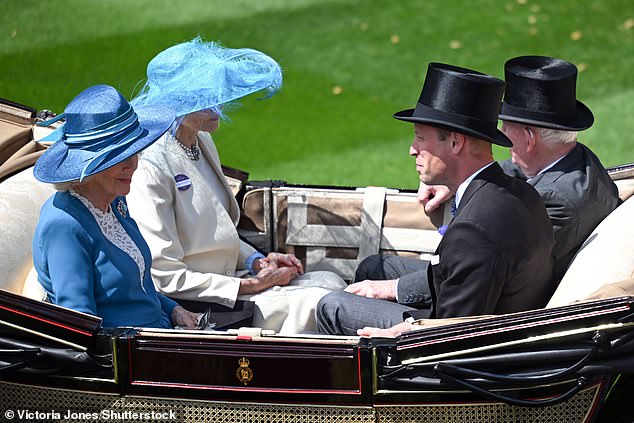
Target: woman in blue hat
{"type": "Point", "coordinates": [87, 250]}
{"type": "Point", "coordinates": [185, 208]}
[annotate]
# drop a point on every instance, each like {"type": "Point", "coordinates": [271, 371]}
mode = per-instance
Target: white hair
{"type": "Point", "coordinates": [65, 186]}
{"type": "Point", "coordinates": [556, 136]}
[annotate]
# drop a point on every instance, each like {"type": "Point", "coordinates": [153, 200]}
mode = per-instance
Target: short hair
{"type": "Point", "coordinates": [477, 147]}
{"type": "Point", "coordinates": [556, 136]}
{"type": "Point", "coordinates": [443, 133]}
{"type": "Point", "coordinates": [65, 186]}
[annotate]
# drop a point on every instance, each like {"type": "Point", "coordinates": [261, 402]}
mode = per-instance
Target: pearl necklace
{"type": "Point", "coordinates": [192, 152]}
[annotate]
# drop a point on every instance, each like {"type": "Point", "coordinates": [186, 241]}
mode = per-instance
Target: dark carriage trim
{"type": "Point", "coordinates": [516, 327]}
{"type": "Point", "coordinates": [17, 110]}
{"type": "Point", "coordinates": [621, 172]}
{"type": "Point", "coordinates": [207, 366]}
{"type": "Point", "coordinates": [48, 320]}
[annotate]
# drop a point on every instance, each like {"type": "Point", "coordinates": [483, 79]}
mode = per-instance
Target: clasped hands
{"type": "Point", "coordinates": [276, 269]}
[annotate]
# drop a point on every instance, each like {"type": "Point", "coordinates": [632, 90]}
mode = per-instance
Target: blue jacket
{"type": "Point", "coordinates": [81, 269]}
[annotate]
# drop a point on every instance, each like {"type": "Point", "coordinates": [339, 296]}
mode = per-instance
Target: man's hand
{"type": "Point", "coordinates": [267, 278]}
{"type": "Point", "coordinates": [392, 332]}
{"type": "Point", "coordinates": [184, 318]}
{"type": "Point", "coordinates": [384, 290]}
{"type": "Point", "coordinates": [432, 196]}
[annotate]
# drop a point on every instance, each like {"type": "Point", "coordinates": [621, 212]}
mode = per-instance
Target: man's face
{"type": "Point", "coordinates": [431, 154]}
{"type": "Point", "coordinates": [517, 134]}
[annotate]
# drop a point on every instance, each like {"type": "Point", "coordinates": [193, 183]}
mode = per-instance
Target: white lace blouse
{"type": "Point", "coordinates": [115, 233]}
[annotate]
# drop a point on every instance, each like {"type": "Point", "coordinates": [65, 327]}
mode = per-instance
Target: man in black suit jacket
{"type": "Point", "coordinates": [495, 256]}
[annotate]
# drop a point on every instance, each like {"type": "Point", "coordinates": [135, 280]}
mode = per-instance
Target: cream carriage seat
{"type": "Point", "coordinates": [606, 257]}
{"type": "Point", "coordinates": [21, 197]}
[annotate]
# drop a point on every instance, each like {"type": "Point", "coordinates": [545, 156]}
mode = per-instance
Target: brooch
{"type": "Point", "coordinates": [122, 208]}
{"type": "Point", "coordinates": [183, 183]}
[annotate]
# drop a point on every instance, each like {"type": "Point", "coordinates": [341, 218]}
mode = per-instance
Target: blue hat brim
{"type": "Point", "coordinates": [60, 164]}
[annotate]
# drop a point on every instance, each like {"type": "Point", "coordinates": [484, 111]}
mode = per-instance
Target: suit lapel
{"type": "Point", "coordinates": [478, 182]}
{"type": "Point", "coordinates": [210, 154]}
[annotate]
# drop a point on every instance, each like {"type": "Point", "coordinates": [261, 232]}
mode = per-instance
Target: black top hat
{"type": "Point", "coordinates": [462, 100]}
{"type": "Point", "coordinates": [541, 91]}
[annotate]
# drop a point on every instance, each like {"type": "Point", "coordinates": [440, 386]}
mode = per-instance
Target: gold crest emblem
{"type": "Point", "coordinates": [244, 373]}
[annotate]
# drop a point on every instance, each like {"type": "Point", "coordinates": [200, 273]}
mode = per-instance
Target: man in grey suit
{"type": "Point", "coordinates": [495, 255]}
{"type": "Point", "coordinates": [541, 116]}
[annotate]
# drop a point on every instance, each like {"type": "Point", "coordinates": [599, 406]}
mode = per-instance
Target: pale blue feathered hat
{"type": "Point", "coordinates": [198, 75]}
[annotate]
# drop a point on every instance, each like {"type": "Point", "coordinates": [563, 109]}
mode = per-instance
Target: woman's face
{"type": "Point", "coordinates": [116, 180]}
{"type": "Point", "coordinates": [204, 120]}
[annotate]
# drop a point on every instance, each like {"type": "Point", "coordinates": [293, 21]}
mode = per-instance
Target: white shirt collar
{"type": "Point", "coordinates": [549, 166]}
{"type": "Point", "coordinates": [463, 186]}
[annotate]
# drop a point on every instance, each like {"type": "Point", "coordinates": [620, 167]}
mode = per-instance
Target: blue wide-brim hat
{"type": "Point", "coordinates": [198, 75]}
{"type": "Point", "coordinates": [101, 130]}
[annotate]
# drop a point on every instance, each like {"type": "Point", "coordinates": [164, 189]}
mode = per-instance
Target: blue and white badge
{"type": "Point", "coordinates": [183, 183]}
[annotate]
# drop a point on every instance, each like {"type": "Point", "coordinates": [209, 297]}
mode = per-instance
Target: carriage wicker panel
{"type": "Point", "coordinates": [574, 410]}
{"type": "Point", "coordinates": [15, 397]}
{"type": "Point", "coordinates": [112, 407]}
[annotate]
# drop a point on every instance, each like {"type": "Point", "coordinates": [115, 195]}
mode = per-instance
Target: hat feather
{"type": "Point", "coordinates": [199, 75]}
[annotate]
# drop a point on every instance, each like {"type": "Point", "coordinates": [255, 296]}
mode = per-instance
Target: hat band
{"type": "Point", "coordinates": [454, 120]}
{"type": "Point", "coordinates": [116, 130]}
{"type": "Point", "coordinates": [112, 136]}
{"type": "Point", "coordinates": [541, 116]}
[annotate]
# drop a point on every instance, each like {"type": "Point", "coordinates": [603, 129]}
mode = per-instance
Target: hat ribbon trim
{"type": "Point", "coordinates": [120, 127]}
{"type": "Point", "coordinates": [425, 112]}
{"type": "Point", "coordinates": [50, 121]}
{"type": "Point", "coordinates": [86, 139]}
{"type": "Point", "coordinates": [545, 116]}
{"type": "Point", "coordinates": [112, 136]}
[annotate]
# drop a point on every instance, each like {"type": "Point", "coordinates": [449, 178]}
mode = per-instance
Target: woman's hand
{"type": "Point", "coordinates": [184, 318]}
{"type": "Point", "coordinates": [277, 260]}
{"type": "Point", "coordinates": [267, 278]}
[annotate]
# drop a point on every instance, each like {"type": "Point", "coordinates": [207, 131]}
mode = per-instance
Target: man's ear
{"type": "Point", "coordinates": [457, 141]}
{"type": "Point", "coordinates": [530, 139]}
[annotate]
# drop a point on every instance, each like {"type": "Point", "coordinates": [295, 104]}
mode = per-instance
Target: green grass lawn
{"type": "Point", "coordinates": [348, 65]}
